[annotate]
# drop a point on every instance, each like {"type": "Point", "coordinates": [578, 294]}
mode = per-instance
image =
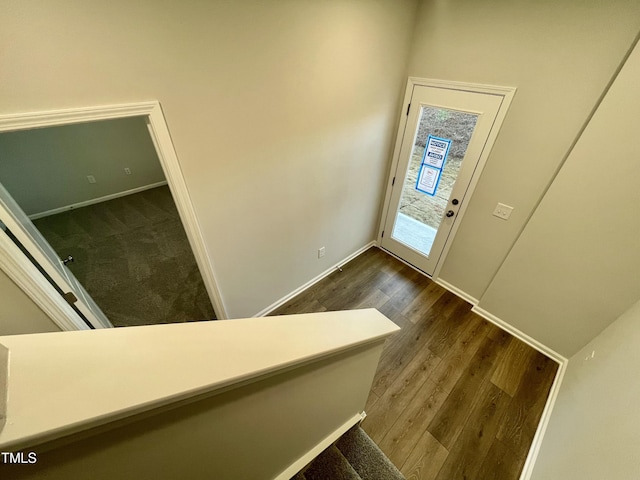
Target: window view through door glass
{"type": "Point", "coordinates": [436, 157]}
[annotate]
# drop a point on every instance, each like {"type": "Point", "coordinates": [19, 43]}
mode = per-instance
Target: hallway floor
{"type": "Point", "coordinates": [454, 397]}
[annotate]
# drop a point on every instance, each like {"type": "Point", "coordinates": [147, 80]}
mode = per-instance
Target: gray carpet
{"type": "Point", "coordinates": [353, 457]}
{"type": "Point", "coordinates": [133, 257]}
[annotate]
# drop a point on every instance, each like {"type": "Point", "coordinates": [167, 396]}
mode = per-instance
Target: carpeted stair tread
{"type": "Point", "coordinates": [353, 457]}
{"type": "Point", "coordinates": [366, 457]}
{"type": "Point", "coordinates": [331, 465]}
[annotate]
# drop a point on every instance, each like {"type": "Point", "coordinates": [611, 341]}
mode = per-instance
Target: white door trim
{"type": "Point", "coordinates": [18, 268]}
{"type": "Point", "coordinates": [507, 94]}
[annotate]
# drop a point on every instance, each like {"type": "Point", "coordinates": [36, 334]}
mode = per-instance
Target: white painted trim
{"type": "Point", "coordinates": [171, 166]}
{"type": "Point", "coordinates": [308, 457]}
{"type": "Point", "coordinates": [463, 295]}
{"type": "Point", "coordinates": [27, 277]}
{"type": "Point", "coordinates": [161, 138]}
{"type": "Point", "coordinates": [532, 456]}
{"type": "Point", "coordinates": [465, 86]}
{"type": "Point", "coordinates": [30, 120]}
{"type": "Point", "coordinates": [313, 281]}
{"type": "Point", "coordinates": [393, 166]}
{"type": "Point", "coordinates": [93, 201]}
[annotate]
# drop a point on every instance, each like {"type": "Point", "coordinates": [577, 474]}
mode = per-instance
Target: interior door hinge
{"type": "Point", "coordinates": [382, 236]}
{"type": "Point", "coordinates": [70, 298]}
{"type": "Point", "coordinates": [408, 107]}
{"type": "Point", "coordinates": [393, 182]}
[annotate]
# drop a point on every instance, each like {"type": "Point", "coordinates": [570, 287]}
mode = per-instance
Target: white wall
{"type": "Point", "coordinates": [282, 113]}
{"type": "Point", "coordinates": [18, 313]}
{"type": "Point", "coordinates": [560, 55]}
{"type": "Point", "coordinates": [575, 267]}
{"type": "Point", "coordinates": [594, 432]}
{"type": "Point", "coordinates": [46, 169]}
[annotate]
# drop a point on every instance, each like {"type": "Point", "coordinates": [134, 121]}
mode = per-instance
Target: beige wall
{"type": "Point", "coordinates": [594, 430]}
{"type": "Point", "coordinates": [575, 267]}
{"type": "Point", "coordinates": [560, 55]}
{"type": "Point", "coordinates": [282, 113]}
{"type": "Point", "coordinates": [46, 168]}
{"type": "Point", "coordinates": [18, 313]}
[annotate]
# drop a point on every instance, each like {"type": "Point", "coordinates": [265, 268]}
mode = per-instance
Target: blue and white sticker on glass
{"type": "Point", "coordinates": [436, 151]}
{"type": "Point", "coordinates": [428, 179]}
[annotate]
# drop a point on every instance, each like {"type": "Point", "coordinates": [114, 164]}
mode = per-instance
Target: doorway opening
{"type": "Point", "coordinates": [442, 145]}
{"type": "Point", "coordinates": [97, 199]}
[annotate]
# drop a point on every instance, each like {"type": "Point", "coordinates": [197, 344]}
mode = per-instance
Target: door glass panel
{"type": "Point", "coordinates": [439, 147]}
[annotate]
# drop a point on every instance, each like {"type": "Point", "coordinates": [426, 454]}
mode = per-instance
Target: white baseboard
{"type": "Point", "coordinates": [308, 457]}
{"type": "Point", "coordinates": [93, 201]}
{"type": "Point", "coordinates": [532, 456]}
{"type": "Point", "coordinates": [463, 295]}
{"type": "Point", "coordinates": [313, 281]}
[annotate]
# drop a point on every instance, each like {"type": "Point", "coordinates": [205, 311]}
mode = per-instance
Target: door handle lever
{"type": "Point", "coordinates": [67, 260]}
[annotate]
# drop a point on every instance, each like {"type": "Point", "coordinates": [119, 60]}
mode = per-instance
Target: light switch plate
{"type": "Point", "coordinates": [503, 211]}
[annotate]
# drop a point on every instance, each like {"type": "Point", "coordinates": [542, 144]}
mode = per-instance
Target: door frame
{"type": "Point", "coordinates": [507, 94]}
{"type": "Point", "coordinates": [20, 269]}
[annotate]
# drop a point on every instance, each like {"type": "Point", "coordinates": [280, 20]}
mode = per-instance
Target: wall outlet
{"type": "Point", "coordinates": [91, 179]}
{"type": "Point", "coordinates": [503, 211]}
{"type": "Point", "coordinates": [127, 170]}
{"type": "Point", "coordinates": [321, 252]}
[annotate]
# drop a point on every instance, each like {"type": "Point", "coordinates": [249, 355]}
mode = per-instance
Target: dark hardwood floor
{"type": "Point", "coordinates": [454, 397]}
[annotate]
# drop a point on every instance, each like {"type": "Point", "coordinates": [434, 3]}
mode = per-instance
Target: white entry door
{"type": "Point", "coordinates": [442, 144]}
{"type": "Point", "coordinates": [18, 223]}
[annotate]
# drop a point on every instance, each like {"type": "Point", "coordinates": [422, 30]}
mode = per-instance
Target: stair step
{"type": "Point", "coordinates": [331, 465]}
{"type": "Point", "coordinates": [353, 457]}
{"type": "Point", "coordinates": [366, 457]}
